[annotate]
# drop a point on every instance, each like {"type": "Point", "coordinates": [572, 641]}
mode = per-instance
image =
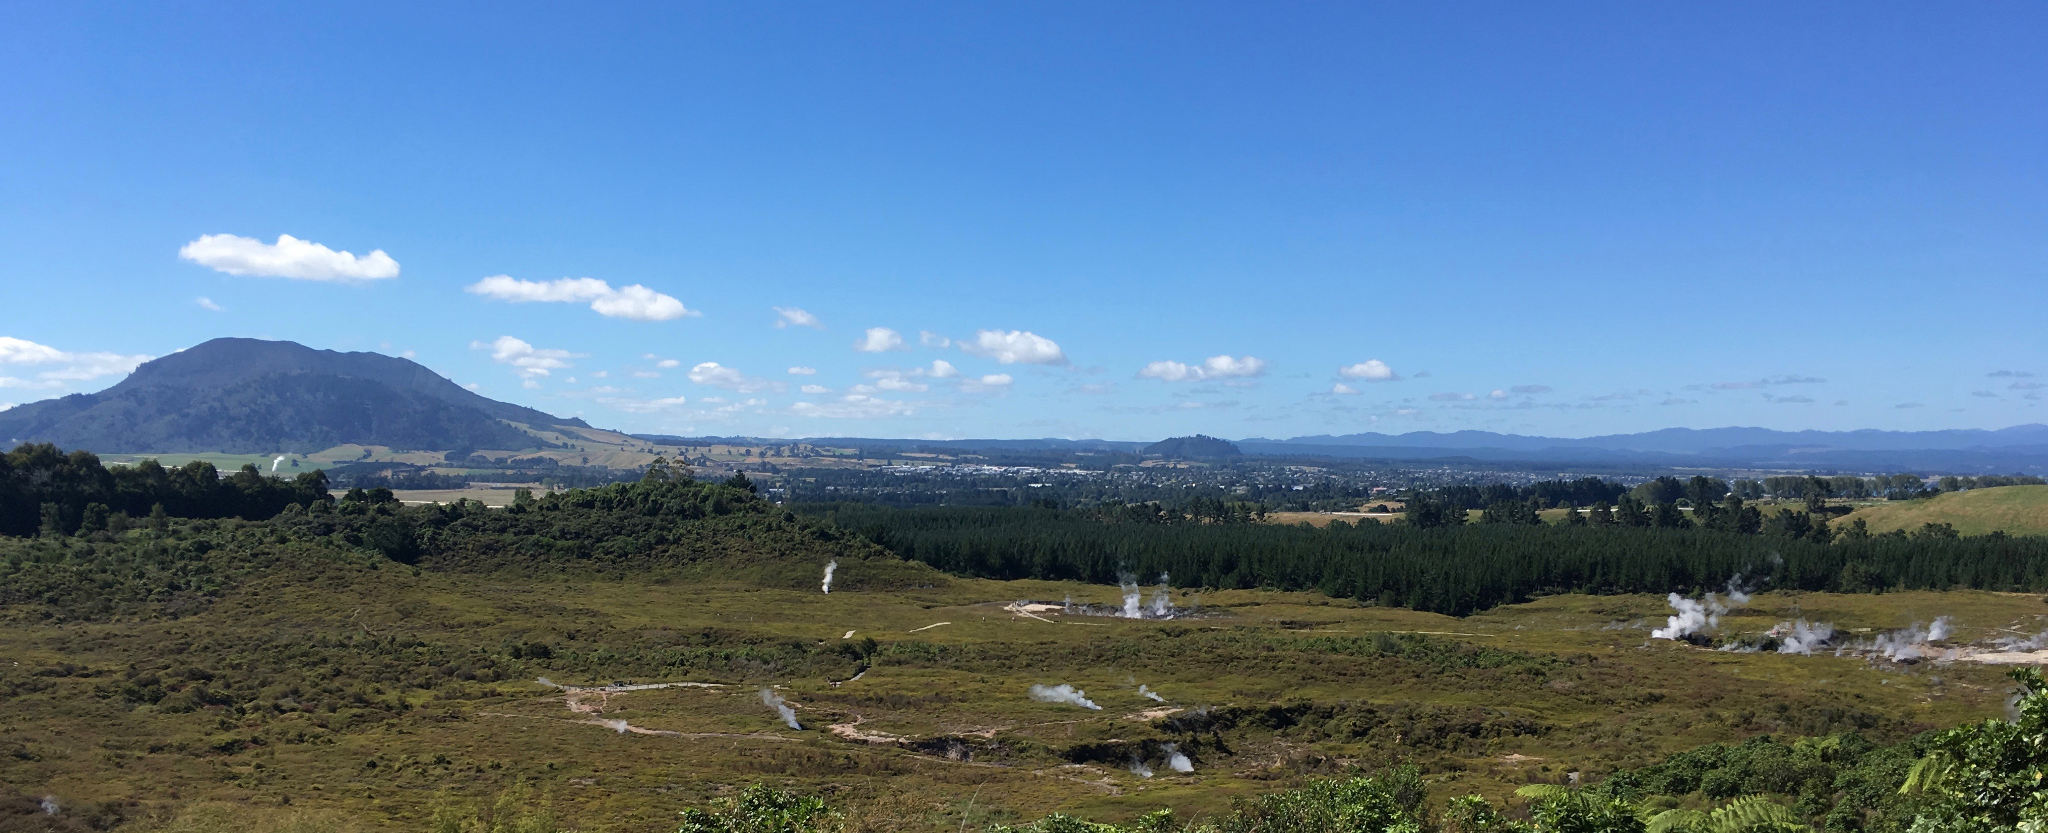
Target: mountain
{"type": "Point", "coordinates": [2021, 447]}
{"type": "Point", "coordinates": [1197, 447]}
{"type": "Point", "coordinates": [241, 395]}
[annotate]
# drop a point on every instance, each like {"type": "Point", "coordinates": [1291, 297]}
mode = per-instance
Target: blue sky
{"type": "Point", "coordinates": [1564, 219]}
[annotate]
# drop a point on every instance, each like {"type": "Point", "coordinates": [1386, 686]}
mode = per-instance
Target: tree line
{"type": "Point", "coordinates": [44, 490]}
{"type": "Point", "coordinates": [1452, 569]}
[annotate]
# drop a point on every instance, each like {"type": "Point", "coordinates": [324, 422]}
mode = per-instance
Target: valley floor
{"type": "Point", "coordinates": [387, 693]}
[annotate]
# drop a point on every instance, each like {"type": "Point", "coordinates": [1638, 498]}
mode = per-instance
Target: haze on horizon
{"type": "Point", "coordinates": [1080, 221]}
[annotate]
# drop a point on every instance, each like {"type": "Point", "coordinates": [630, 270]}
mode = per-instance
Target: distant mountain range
{"type": "Point", "coordinates": [2019, 448]}
{"type": "Point", "coordinates": [242, 395]}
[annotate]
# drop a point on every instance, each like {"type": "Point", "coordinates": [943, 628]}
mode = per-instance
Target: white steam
{"type": "Point", "coordinates": [49, 803]}
{"type": "Point", "coordinates": [1132, 595]}
{"type": "Point", "coordinates": [619, 726]}
{"type": "Point", "coordinates": [829, 567]}
{"type": "Point", "coordinates": [1692, 617]}
{"type": "Point", "coordinates": [275, 463]}
{"type": "Point", "coordinates": [1704, 614]}
{"type": "Point", "coordinates": [1150, 693]}
{"type": "Point", "coordinates": [1139, 768]}
{"type": "Point", "coordinates": [1909, 644]}
{"type": "Point", "coordinates": [775, 701]}
{"type": "Point", "coordinates": [1162, 600]}
{"type": "Point", "coordinates": [1799, 637]}
{"type": "Point", "coordinates": [1135, 607]}
{"type": "Point", "coordinates": [1063, 693]}
{"type": "Point", "coordinates": [1735, 592]}
{"type": "Point", "coordinates": [1175, 760]}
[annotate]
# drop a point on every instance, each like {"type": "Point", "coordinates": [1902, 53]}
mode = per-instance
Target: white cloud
{"type": "Point", "coordinates": [668, 363]}
{"type": "Point", "coordinates": [814, 390]}
{"type": "Point", "coordinates": [1015, 347]}
{"type": "Point", "coordinates": [646, 374]}
{"type": "Point", "coordinates": [901, 385]}
{"type": "Point", "coordinates": [796, 317]}
{"type": "Point", "coordinates": [801, 370]}
{"type": "Point", "coordinates": [289, 257]}
{"type": "Point", "coordinates": [1343, 389]}
{"type": "Point", "coordinates": [1451, 397]}
{"type": "Point", "coordinates": [942, 369]}
{"type": "Point", "coordinates": [23, 351]}
{"type": "Point", "coordinates": [1169, 371]}
{"type": "Point", "coordinates": [853, 406]}
{"type": "Point", "coordinates": [642, 406]}
{"type": "Point", "coordinates": [530, 384]}
{"type": "Point", "coordinates": [633, 302]}
{"type": "Point", "coordinates": [60, 368]}
{"type": "Point", "coordinates": [527, 360]}
{"type": "Point", "coordinates": [1214, 367]}
{"type": "Point", "coordinates": [720, 376]}
{"type": "Point", "coordinates": [206, 303]}
{"type": "Point", "coordinates": [1371, 370]}
{"type": "Point", "coordinates": [1497, 394]}
{"type": "Point", "coordinates": [992, 381]}
{"type": "Point", "coordinates": [879, 340]}
{"type": "Point", "coordinates": [932, 339]}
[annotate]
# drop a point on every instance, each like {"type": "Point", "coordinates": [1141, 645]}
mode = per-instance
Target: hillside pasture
{"type": "Point", "coordinates": [2014, 510]}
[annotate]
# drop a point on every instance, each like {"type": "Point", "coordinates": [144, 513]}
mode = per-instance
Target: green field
{"type": "Point", "coordinates": [2015, 510]}
{"type": "Point", "coordinates": [1313, 687]}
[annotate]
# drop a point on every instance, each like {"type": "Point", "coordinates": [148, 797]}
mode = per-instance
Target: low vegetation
{"type": "Point", "coordinates": [355, 663]}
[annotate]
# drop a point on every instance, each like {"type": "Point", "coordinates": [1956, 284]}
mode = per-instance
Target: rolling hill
{"type": "Point", "coordinates": [2015, 510]}
{"type": "Point", "coordinates": [242, 395]}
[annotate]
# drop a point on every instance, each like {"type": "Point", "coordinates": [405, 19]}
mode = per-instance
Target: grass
{"type": "Point", "coordinates": [2017, 510]}
{"type": "Point", "coordinates": [1298, 685]}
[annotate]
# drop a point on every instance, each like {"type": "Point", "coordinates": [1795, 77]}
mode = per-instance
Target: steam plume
{"type": "Point", "coordinates": [1176, 761]}
{"type": "Point", "coordinates": [275, 463]}
{"type": "Point", "coordinates": [775, 701]}
{"type": "Point", "coordinates": [829, 567]}
{"type": "Point", "coordinates": [619, 726]}
{"type": "Point", "coordinates": [1063, 693]}
{"type": "Point", "coordinates": [1691, 618]}
{"type": "Point", "coordinates": [1907, 644]}
{"type": "Point", "coordinates": [1735, 592]}
{"type": "Point", "coordinates": [1135, 607]}
{"type": "Point", "coordinates": [1162, 600]}
{"type": "Point", "coordinates": [1798, 637]}
{"type": "Point", "coordinates": [49, 803]}
{"type": "Point", "coordinates": [1152, 694]}
{"type": "Point", "coordinates": [1139, 768]}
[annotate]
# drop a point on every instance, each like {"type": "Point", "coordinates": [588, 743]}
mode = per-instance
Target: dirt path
{"type": "Point", "coordinates": [1031, 611]}
{"type": "Point", "coordinates": [2008, 657]}
{"type": "Point", "coordinates": [850, 731]}
{"type": "Point", "coordinates": [927, 627]}
{"type": "Point", "coordinates": [622, 727]}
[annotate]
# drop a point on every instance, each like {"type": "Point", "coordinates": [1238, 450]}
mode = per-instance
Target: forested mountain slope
{"type": "Point", "coordinates": [241, 395]}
